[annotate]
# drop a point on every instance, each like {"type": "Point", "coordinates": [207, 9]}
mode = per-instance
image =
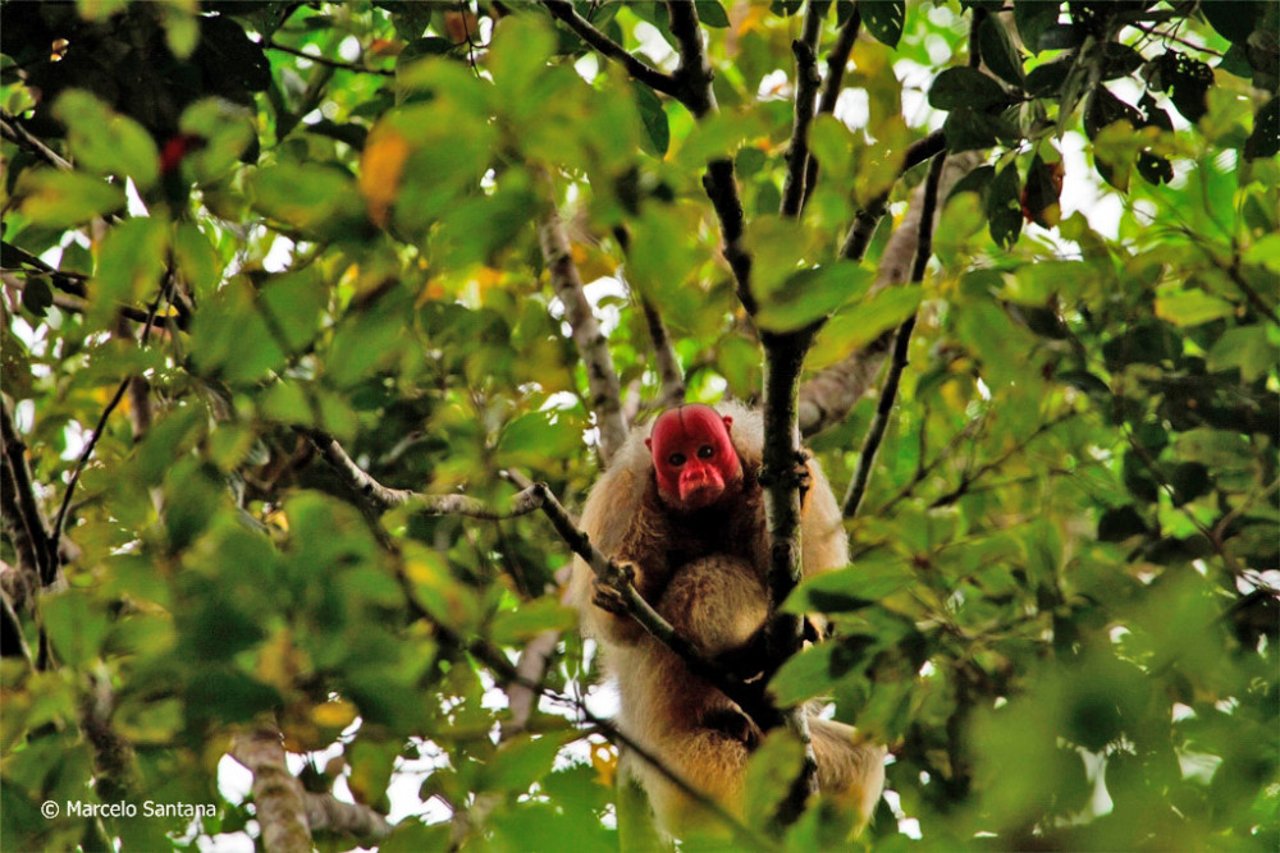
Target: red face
{"type": "Point", "coordinates": [693, 458]}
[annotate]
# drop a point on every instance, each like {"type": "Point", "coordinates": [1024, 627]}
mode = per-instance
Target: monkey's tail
{"type": "Point", "coordinates": [849, 766]}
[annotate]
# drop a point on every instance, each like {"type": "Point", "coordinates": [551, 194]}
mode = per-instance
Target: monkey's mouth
{"type": "Point", "coordinates": [700, 493]}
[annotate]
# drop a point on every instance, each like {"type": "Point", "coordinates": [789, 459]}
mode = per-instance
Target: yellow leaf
{"type": "Point", "coordinates": [337, 714]}
{"type": "Point", "coordinates": [381, 167]}
{"type": "Point", "coordinates": [604, 758]}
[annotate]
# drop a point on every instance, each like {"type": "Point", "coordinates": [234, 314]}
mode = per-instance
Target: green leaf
{"type": "Point", "coordinates": [105, 142]}
{"type": "Point", "coordinates": [812, 294]}
{"type": "Point", "coordinates": [1190, 480]}
{"type": "Point", "coordinates": [856, 326]}
{"type": "Point", "coordinates": [511, 627]}
{"type": "Point", "coordinates": [1033, 17]}
{"type": "Point", "coordinates": [76, 626]}
{"type": "Point", "coordinates": [1265, 139]}
{"type": "Point", "coordinates": [1004, 209]}
{"type": "Point", "coordinates": [654, 119]}
{"type": "Point", "coordinates": [832, 142]}
{"type": "Point", "coordinates": [711, 13]}
{"type": "Point", "coordinates": [966, 87]}
{"type": "Point", "coordinates": [534, 439]}
{"type": "Point", "coordinates": [884, 19]}
{"type": "Point", "coordinates": [1192, 308]}
{"type": "Point", "coordinates": [37, 295]}
{"type": "Point", "coordinates": [58, 199]}
{"type": "Point", "coordinates": [315, 199]}
{"type": "Point", "coordinates": [804, 675]}
{"type": "Point", "coordinates": [998, 51]}
{"type": "Point", "coordinates": [1247, 348]}
{"type": "Point", "coordinates": [130, 265]}
{"type": "Point", "coordinates": [519, 762]}
{"type": "Point", "coordinates": [851, 588]}
{"type": "Point", "coordinates": [771, 771]}
{"type": "Point", "coordinates": [1118, 524]}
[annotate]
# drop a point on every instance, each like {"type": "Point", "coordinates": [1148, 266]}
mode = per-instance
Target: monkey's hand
{"type": "Point", "coordinates": [608, 597]}
{"type": "Point", "coordinates": [803, 475]}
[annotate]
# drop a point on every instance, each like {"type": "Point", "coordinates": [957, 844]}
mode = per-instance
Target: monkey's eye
{"type": "Point", "coordinates": [706, 451]}
{"type": "Point", "coordinates": [676, 459]}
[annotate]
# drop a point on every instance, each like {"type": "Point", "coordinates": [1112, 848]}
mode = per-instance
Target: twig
{"type": "Point", "coordinates": [837, 59]}
{"type": "Point", "coordinates": [793, 187]}
{"type": "Point", "coordinates": [602, 378]}
{"type": "Point", "coordinates": [901, 343]}
{"type": "Point", "coordinates": [673, 388]}
{"type": "Point", "coordinates": [22, 515]}
{"type": "Point", "coordinates": [855, 243]}
{"type": "Point", "coordinates": [1149, 30]}
{"type": "Point", "coordinates": [562, 10]}
{"type": "Point", "coordinates": [324, 60]}
{"type": "Point", "coordinates": [971, 477]}
{"type": "Point", "coordinates": [76, 305]}
{"type": "Point", "coordinates": [55, 535]}
{"type": "Point", "coordinates": [12, 130]}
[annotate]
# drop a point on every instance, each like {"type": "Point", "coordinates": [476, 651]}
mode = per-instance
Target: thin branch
{"type": "Point", "coordinates": [875, 435]}
{"type": "Point", "coordinates": [837, 60]}
{"type": "Point", "coordinates": [22, 515]}
{"type": "Point", "coordinates": [807, 82]}
{"type": "Point", "coordinates": [1169, 36]}
{"type": "Point", "coordinates": [602, 378]}
{"type": "Point", "coordinates": [77, 305]}
{"type": "Point", "coordinates": [324, 60]}
{"type": "Point", "coordinates": [664, 355]}
{"type": "Point", "coordinates": [55, 536]}
{"type": "Point", "coordinates": [73, 283]}
{"type": "Point", "coordinates": [855, 243]}
{"type": "Point", "coordinates": [562, 10]}
{"type": "Point", "coordinates": [971, 477]}
{"type": "Point", "coordinates": [12, 130]}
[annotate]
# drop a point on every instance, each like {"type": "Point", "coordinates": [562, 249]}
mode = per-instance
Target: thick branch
{"type": "Point", "coordinates": [277, 794]}
{"type": "Point", "coordinates": [804, 48]}
{"type": "Point", "coordinates": [562, 10]}
{"type": "Point", "coordinates": [602, 379]}
{"type": "Point", "coordinates": [901, 344]}
{"type": "Point", "coordinates": [326, 813]}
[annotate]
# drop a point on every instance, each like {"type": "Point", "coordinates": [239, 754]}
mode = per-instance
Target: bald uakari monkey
{"type": "Point", "coordinates": [682, 509]}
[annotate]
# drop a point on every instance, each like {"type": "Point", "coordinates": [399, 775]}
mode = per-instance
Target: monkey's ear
{"type": "Point", "coordinates": [648, 442]}
{"type": "Point", "coordinates": [728, 422]}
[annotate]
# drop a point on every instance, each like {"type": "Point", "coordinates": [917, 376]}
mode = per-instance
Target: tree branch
{"type": "Point", "coordinates": [875, 435]}
{"type": "Point", "coordinates": [23, 518]}
{"type": "Point", "coordinates": [668, 365]}
{"type": "Point", "coordinates": [794, 185]}
{"type": "Point", "coordinates": [324, 60]}
{"type": "Point", "coordinates": [12, 130]}
{"type": "Point", "coordinates": [837, 59]}
{"type": "Point", "coordinates": [602, 379]}
{"type": "Point", "coordinates": [326, 813]}
{"type": "Point", "coordinates": [55, 536]}
{"type": "Point", "coordinates": [77, 305]}
{"type": "Point", "coordinates": [562, 10]}
{"type": "Point", "coordinates": [277, 794]}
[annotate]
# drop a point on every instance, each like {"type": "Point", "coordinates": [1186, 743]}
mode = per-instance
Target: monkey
{"type": "Point", "coordinates": [681, 509]}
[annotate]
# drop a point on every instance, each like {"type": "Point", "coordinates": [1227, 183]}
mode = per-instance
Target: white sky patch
{"type": "Point", "coordinates": [277, 260]}
{"type": "Point", "coordinates": [774, 86]}
{"type": "Point", "coordinates": [133, 202]}
{"type": "Point", "coordinates": [560, 400]}
{"type": "Point", "coordinates": [653, 45]}
{"type": "Point", "coordinates": [916, 80]}
{"type": "Point", "coordinates": [937, 48]}
{"type": "Point", "coordinates": [349, 49]}
{"type": "Point", "coordinates": [609, 316]}
{"type": "Point", "coordinates": [587, 67]}
{"type": "Point", "coordinates": [1082, 190]}
{"type": "Point", "coordinates": [853, 107]}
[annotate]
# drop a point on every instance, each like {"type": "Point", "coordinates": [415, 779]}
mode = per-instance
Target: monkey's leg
{"type": "Point", "coordinates": [850, 768]}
